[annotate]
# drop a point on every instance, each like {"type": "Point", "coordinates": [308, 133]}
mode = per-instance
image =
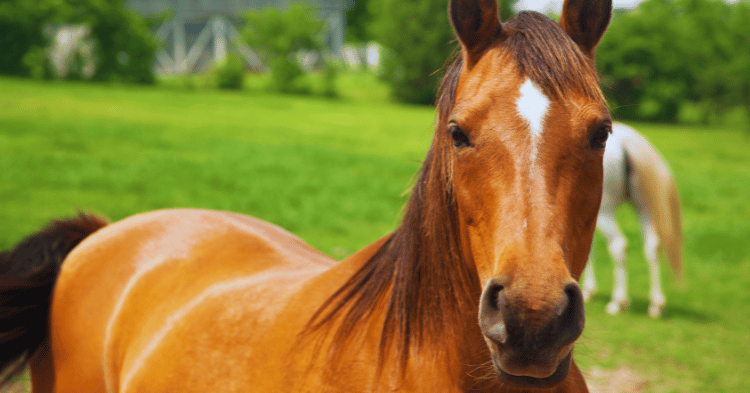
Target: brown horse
{"type": "Point", "coordinates": [474, 291]}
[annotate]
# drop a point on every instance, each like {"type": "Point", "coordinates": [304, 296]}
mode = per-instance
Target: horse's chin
{"type": "Point", "coordinates": [529, 382]}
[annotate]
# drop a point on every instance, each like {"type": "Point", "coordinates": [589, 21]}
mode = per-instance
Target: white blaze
{"type": "Point", "coordinates": [532, 106]}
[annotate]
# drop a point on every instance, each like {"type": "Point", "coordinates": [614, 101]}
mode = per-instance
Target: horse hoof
{"type": "Point", "coordinates": [654, 311]}
{"type": "Point", "coordinates": [614, 308]}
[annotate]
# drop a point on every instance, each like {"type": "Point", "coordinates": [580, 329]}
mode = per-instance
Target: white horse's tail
{"type": "Point", "coordinates": [660, 195]}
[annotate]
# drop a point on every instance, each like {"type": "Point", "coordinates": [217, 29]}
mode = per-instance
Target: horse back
{"type": "Point", "coordinates": [158, 292]}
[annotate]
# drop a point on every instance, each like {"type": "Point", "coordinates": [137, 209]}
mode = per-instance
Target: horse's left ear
{"type": "Point", "coordinates": [476, 23]}
{"type": "Point", "coordinates": [585, 22]}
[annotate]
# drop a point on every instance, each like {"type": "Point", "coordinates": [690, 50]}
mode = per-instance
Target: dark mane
{"type": "Point", "coordinates": [420, 273]}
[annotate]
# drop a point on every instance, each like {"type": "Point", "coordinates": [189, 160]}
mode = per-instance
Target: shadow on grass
{"type": "Point", "coordinates": [639, 306]}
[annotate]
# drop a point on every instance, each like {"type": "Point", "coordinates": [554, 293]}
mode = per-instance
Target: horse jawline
{"type": "Point", "coordinates": [526, 382]}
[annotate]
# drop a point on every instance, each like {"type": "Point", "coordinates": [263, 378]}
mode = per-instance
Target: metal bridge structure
{"type": "Point", "coordinates": [200, 33]}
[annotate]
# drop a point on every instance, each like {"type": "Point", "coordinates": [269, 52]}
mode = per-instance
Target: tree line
{"type": "Point", "coordinates": [654, 61]}
{"type": "Point", "coordinates": [123, 45]}
{"type": "Point", "coordinates": [665, 54]}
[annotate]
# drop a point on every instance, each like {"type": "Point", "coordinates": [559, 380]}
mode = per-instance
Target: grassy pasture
{"type": "Point", "coordinates": [334, 172]}
{"type": "Point", "coordinates": [701, 342]}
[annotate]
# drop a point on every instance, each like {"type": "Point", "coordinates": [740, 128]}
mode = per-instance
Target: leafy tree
{"type": "Point", "coordinates": [21, 29]}
{"type": "Point", "coordinates": [124, 47]}
{"type": "Point", "coordinates": [231, 73]}
{"type": "Point", "coordinates": [667, 52]}
{"type": "Point", "coordinates": [358, 18]}
{"type": "Point", "coordinates": [278, 35]}
{"type": "Point", "coordinates": [418, 39]}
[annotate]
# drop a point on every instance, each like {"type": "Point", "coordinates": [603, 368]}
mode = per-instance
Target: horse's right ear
{"type": "Point", "coordinates": [585, 22]}
{"type": "Point", "coordinates": [476, 23]}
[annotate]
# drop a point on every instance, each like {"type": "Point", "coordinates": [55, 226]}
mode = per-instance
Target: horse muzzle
{"type": "Point", "coordinates": [531, 338]}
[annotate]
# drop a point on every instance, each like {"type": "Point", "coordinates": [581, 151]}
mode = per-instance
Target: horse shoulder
{"type": "Point", "coordinates": [242, 333]}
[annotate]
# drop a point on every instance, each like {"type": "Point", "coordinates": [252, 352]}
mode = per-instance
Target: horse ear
{"type": "Point", "coordinates": [585, 22]}
{"type": "Point", "coordinates": [476, 23]}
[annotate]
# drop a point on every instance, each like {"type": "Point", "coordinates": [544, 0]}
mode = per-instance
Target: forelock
{"type": "Point", "coordinates": [548, 56]}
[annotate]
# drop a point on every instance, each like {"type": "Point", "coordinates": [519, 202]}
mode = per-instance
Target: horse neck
{"type": "Point", "coordinates": [418, 286]}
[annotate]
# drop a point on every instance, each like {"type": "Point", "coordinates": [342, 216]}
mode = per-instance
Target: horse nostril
{"type": "Point", "coordinates": [491, 308]}
{"type": "Point", "coordinates": [572, 317]}
{"type": "Point", "coordinates": [493, 296]}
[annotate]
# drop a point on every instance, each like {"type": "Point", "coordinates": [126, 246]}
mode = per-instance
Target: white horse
{"type": "Point", "coordinates": [634, 171]}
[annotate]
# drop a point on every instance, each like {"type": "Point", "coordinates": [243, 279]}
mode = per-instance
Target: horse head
{"type": "Point", "coordinates": [525, 131]}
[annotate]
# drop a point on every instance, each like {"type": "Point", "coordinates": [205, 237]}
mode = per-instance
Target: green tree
{"type": "Point", "coordinates": [278, 35]}
{"type": "Point", "coordinates": [668, 52]}
{"type": "Point", "coordinates": [418, 39]}
{"type": "Point", "coordinates": [231, 73]}
{"type": "Point", "coordinates": [124, 47]}
{"type": "Point", "coordinates": [21, 30]}
{"type": "Point", "coordinates": [358, 19]}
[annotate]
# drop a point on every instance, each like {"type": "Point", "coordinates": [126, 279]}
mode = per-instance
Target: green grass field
{"type": "Point", "coordinates": [335, 171]}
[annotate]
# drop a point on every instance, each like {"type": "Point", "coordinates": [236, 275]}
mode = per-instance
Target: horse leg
{"type": "Point", "coordinates": [617, 245]}
{"type": "Point", "coordinates": [589, 280]}
{"type": "Point", "coordinates": [651, 251]}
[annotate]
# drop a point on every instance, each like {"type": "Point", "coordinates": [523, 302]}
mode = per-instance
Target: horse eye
{"type": "Point", "coordinates": [459, 137]}
{"type": "Point", "coordinates": [599, 137]}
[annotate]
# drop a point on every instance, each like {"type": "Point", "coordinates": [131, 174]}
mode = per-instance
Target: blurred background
{"type": "Point", "coordinates": [315, 116]}
{"type": "Point", "coordinates": [670, 61]}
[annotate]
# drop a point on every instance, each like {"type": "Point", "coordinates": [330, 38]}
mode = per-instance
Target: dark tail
{"type": "Point", "coordinates": [27, 275]}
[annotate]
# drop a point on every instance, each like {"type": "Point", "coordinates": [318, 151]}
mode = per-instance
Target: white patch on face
{"type": "Point", "coordinates": [532, 106]}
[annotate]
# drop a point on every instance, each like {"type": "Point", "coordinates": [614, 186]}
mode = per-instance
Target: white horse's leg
{"type": "Point", "coordinates": [617, 245]}
{"type": "Point", "coordinates": [651, 250]}
{"type": "Point", "coordinates": [589, 280]}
